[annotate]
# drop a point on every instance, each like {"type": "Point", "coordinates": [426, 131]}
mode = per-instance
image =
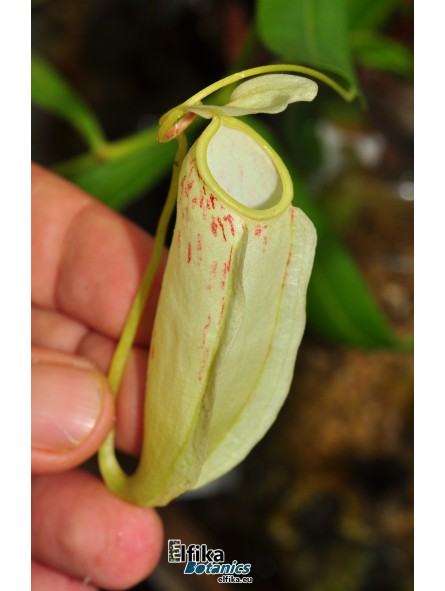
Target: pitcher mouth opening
{"type": "Point", "coordinates": [243, 170]}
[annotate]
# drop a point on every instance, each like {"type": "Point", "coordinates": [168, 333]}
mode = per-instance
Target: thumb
{"type": "Point", "coordinates": [71, 410]}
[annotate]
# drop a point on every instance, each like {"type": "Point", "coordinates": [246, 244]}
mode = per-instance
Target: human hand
{"type": "Point", "coordinates": [87, 262]}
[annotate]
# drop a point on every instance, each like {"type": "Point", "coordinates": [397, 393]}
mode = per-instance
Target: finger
{"type": "Point", "coordinates": [44, 579]}
{"type": "Point", "coordinates": [71, 410]}
{"type": "Point", "coordinates": [130, 402]}
{"type": "Point", "coordinates": [80, 528]}
{"type": "Point", "coordinates": [87, 261]}
{"type": "Point", "coordinates": [56, 331]}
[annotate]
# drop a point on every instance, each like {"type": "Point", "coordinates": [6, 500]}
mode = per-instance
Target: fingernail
{"type": "Point", "coordinates": [66, 404]}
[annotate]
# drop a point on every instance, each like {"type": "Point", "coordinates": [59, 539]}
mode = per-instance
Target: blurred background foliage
{"type": "Point", "coordinates": [103, 72]}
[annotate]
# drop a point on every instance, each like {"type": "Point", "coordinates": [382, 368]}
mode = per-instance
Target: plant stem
{"type": "Point", "coordinates": [129, 332]}
{"type": "Point", "coordinates": [106, 452]}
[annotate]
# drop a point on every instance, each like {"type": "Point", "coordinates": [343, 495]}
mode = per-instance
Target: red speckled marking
{"type": "Point", "coordinates": [229, 218]}
{"type": "Point", "coordinates": [198, 249]}
{"type": "Point", "coordinates": [189, 253]}
{"type": "Point", "coordinates": [189, 187]}
{"type": "Point", "coordinates": [214, 227]}
{"type": "Point", "coordinates": [194, 168]}
{"type": "Point", "coordinates": [221, 312]}
{"type": "Point", "coordinates": [289, 256]}
{"type": "Point", "coordinates": [226, 268]}
{"type": "Point", "coordinates": [203, 363]}
{"type": "Point", "coordinates": [212, 277]}
{"type": "Point", "coordinates": [204, 334]}
{"type": "Point", "coordinates": [221, 225]}
{"type": "Point", "coordinates": [212, 201]}
{"type": "Point", "coordinates": [264, 243]}
{"type": "Point", "coordinates": [179, 238]}
{"type": "Point", "coordinates": [229, 264]}
{"type": "Point", "coordinates": [259, 230]}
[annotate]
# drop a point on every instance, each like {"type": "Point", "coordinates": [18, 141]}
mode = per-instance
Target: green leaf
{"type": "Point", "coordinates": [340, 306]}
{"type": "Point", "coordinates": [305, 146]}
{"type": "Point", "coordinates": [134, 166]}
{"type": "Point", "coordinates": [369, 14]}
{"type": "Point", "coordinates": [52, 93]}
{"type": "Point", "coordinates": [313, 32]}
{"type": "Point", "coordinates": [378, 52]}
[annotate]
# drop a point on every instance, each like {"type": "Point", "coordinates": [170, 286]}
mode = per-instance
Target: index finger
{"type": "Point", "coordinates": [87, 261]}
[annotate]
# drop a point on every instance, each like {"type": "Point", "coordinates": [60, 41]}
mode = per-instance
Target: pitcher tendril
{"type": "Point", "coordinates": [128, 335]}
{"type": "Point", "coordinates": [231, 312]}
